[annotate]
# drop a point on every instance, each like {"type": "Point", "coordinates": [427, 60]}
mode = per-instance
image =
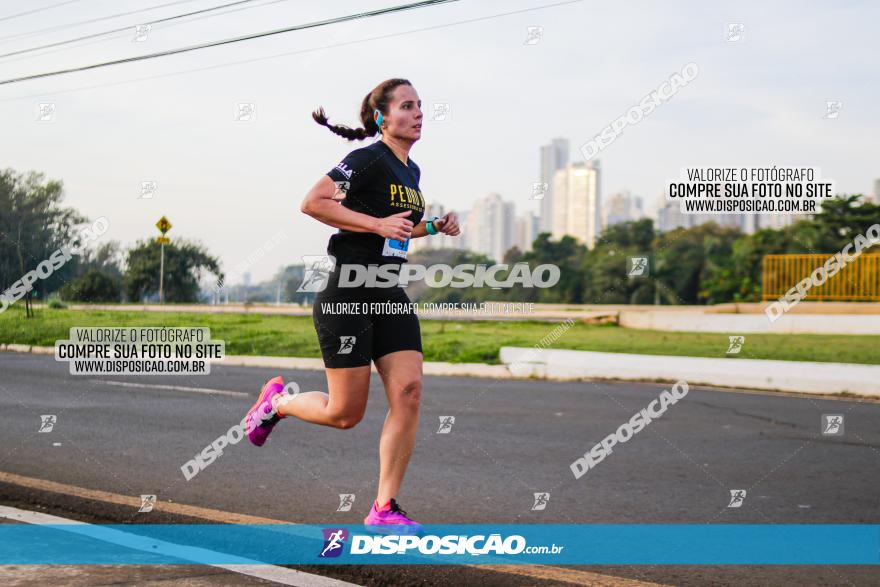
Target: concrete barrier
{"type": "Point", "coordinates": [20, 348]}
{"type": "Point", "coordinates": [797, 376]}
{"type": "Point", "coordinates": [689, 321]}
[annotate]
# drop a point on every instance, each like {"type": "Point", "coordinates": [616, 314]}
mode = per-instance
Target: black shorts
{"type": "Point", "coordinates": [359, 325]}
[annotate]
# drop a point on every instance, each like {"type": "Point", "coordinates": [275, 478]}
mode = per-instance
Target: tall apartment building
{"type": "Point", "coordinates": [490, 227]}
{"type": "Point", "coordinates": [577, 209]}
{"type": "Point", "coordinates": [621, 207]}
{"type": "Point", "coordinates": [553, 158]}
{"type": "Point", "coordinates": [525, 230]}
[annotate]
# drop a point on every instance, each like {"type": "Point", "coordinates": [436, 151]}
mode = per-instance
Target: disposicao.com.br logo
{"type": "Point", "coordinates": [430, 544]}
{"type": "Point", "coordinates": [318, 271]}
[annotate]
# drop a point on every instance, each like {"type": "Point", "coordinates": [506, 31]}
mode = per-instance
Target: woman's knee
{"type": "Point", "coordinates": [409, 393]}
{"type": "Point", "coordinates": [346, 421]}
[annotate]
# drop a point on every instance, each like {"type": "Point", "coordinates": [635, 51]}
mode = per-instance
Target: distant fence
{"type": "Point", "coordinates": [857, 281]}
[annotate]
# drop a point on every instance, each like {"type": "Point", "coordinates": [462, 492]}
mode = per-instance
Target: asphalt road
{"type": "Point", "coordinates": [510, 440]}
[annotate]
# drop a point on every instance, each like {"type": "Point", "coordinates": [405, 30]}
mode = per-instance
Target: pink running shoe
{"type": "Point", "coordinates": [261, 418]}
{"type": "Point", "coordinates": [390, 519]}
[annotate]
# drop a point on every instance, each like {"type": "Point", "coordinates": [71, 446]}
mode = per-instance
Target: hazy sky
{"type": "Point", "coordinates": [234, 185]}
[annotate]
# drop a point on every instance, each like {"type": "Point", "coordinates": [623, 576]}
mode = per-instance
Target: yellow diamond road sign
{"type": "Point", "coordinates": [163, 225]}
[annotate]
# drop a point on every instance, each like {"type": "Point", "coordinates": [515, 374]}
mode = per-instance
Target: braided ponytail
{"type": "Point", "coordinates": [379, 98]}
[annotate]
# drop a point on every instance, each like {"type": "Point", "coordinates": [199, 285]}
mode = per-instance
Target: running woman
{"type": "Point", "coordinates": [372, 196]}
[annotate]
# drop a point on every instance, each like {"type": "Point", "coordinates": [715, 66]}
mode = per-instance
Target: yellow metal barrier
{"type": "Point", "coordinates": [857, 281]}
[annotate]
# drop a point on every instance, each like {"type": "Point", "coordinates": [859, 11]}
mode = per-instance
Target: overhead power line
{"type": "Point", "coordinates": [320, 23]}
{"type": "Point", "coordinates": [125, 28]}
{"type": "Point", "coordinates": [71, 25]}
{"type": "Point", "coordinates": [291, 53]}
{"type": "Point", "coordinates": [35, 10]}
{"type": "Point", "coordinates": [127, 32]}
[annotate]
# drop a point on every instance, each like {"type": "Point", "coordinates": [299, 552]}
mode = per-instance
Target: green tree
{"type": "Point", "coordinates": [33, 225]}
{"type": "Point", "coordinates": [185, 263]}
{"type": "Point", "coordinates": [605, 266]}
{"type": "Point", "coordinates": [568, 255]}
{"type": "Point", "coordinates": [422, 292]}
{"type": "Point", "coordinates": [842, 218]}
{"type": "Point", "coordinates": [738, 277]}
{"type": "Point", "coordinates": [683, 258]}
{"type": "Point", "coordinates": [106, 257]}
{"type": "Point", "coordinates": [93, 286]}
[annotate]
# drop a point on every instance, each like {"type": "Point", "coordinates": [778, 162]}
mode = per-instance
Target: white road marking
{"type": "Point", "coordinates": [543, 572]}
{"type": "Point", "coordinates": [281, 575]}
{"type": "Point", "coordinates": [207, 390]}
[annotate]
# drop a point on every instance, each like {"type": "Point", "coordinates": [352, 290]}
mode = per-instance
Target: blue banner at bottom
{"type": "Point", "coordinates": [292, 544]}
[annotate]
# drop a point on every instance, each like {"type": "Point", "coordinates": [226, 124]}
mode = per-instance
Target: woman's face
{"type": "Point", "coordinates": [404, 118]}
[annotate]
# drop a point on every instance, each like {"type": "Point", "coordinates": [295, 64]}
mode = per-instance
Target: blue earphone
{"type": "Point", "coordinates": [378, 118]}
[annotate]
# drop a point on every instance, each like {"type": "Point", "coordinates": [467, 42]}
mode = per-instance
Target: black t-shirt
{"type": "Point", "coordinates": [379, 184]}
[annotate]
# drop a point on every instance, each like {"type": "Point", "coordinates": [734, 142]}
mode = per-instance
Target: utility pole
{"type": "Point", "coordinates": [161, 272]}
{"type": "Point", "coordinates": [164, 226]}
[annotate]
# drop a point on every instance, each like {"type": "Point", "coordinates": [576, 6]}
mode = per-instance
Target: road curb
{"type": "Point", "coordinates": [303, 363]}
{"type": "Point", "coordinates": [428, 368]}
{"type": "Point", "coordinates": [567, 365]}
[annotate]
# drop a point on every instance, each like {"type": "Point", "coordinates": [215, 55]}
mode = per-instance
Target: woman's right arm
{"type": "Point", "coordinates": [323, 204]}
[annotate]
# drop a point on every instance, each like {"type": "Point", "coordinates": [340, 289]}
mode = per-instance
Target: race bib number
{"type": "Point", "coordinates": [395, 248]}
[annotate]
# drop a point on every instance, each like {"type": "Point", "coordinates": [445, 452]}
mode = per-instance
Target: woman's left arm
{"type": "Point", "coordinates": [419, 230]}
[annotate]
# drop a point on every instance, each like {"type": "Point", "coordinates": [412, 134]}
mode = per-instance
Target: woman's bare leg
{"type": "Point", "coordinates": [343, 407]}
{"type": "Point", "coordinates": [401, 373]}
